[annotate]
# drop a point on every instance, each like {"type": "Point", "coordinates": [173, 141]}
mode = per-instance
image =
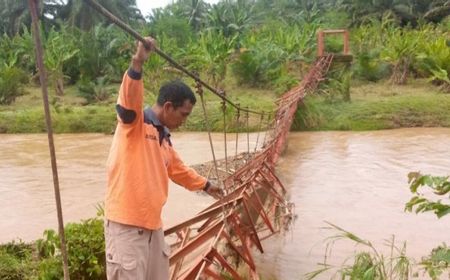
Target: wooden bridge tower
{"type": "Point", "coordinates": [345, 56]}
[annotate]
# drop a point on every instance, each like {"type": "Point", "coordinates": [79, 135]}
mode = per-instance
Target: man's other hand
{"type": "Point", "coordinates": [215, 191]}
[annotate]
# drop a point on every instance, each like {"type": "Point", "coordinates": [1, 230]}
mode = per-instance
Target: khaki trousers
{"type": "Point", "coordinates": [134, 253]}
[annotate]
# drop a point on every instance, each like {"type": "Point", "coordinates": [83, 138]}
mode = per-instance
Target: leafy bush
{"type": "Point", "coordinates": [10, 267]}
{"type": "Point", "coordinates": [369, 67]}
{"type": "Point", "coordinates": [439, 185]}
{"type": "Point", "coordinates": [437, 262]}
{"type": "Point", "coordinates": [439, 259]}
{"type": "Point", "coordinates": [12, 80]}
{"type": "Point", "coordinates": [259, 65]}
{"type": "Point", "coordinates": [15, 261]}
{"type": "Point", "coordinates": [86, 247]}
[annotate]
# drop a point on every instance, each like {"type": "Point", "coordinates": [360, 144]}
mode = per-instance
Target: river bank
{"type": "Point", "coordinates": [376, 106]}
{"type": "Point", "coordinates": [373, 106]}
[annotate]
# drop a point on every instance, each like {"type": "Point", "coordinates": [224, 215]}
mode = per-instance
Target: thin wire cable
{"type": "Point", "coordinates": [224, 110]}
{"type": "Point", "coordinates": [238, 114]}
{"type": "Point", "coordinates": [267, 129]}
{"type": "Point", "coordinates": [259, 130]}
{"type": "Point", "coordinates": [248, 134]}
{"type": "Point", "coordinates": [208, 127]}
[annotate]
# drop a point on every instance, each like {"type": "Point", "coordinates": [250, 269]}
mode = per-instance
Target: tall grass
{"type": "Point", "coordinates": [369, 263]}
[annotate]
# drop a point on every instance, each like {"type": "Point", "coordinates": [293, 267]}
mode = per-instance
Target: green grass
{"type": "Point", "coordinates": [70, 114]}
{"type": "Point", "coordinates": [377, 106]}
{"type": "Point", "coordinates": [373, 106]}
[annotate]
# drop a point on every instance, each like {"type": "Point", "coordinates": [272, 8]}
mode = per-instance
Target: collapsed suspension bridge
{"type": "Point", "coordinates": [218, 241]}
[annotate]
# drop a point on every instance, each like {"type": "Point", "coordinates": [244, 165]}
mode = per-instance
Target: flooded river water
{"type": "Point", "coordinates": [356, 180]}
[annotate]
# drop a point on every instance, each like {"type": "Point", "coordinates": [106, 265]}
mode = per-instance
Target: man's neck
{"type": "Point", "coordinates": [158, 112]}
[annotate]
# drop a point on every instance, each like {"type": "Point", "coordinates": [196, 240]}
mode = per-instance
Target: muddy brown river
{"type": "Point", "coordinates": [356, 180]}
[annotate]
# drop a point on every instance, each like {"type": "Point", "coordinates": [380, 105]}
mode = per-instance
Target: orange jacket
{"type": "Point", "coordinates": [141, 161]}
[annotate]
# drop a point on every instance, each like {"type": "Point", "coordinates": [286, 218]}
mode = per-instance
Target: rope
{"type": "Point", "coordinates": [43, 79]}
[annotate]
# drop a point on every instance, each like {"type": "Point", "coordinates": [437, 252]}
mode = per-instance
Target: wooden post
{"type": "Point", "coordinates": [346, 42]}
{"type": "Point", "coordinates": [43, 79]}
{"type": "Point", "coordinates": [320, 43]}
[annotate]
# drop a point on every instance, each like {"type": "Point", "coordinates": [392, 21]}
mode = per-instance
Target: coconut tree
{"type": "Point", "coordinates": [194, 11]}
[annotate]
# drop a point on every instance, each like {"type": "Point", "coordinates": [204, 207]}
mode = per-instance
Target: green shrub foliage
{"type": "Point", "coordinates": [12, 80]}
{"type": "Point", "coordinates": [86, 247]}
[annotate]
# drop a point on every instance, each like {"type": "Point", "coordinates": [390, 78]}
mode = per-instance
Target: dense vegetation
{"type": "Point", "coordinates": [249, 48]}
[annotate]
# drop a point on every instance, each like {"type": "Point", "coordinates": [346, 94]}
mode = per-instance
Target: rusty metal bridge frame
{"type": "Point", "coordinates": [217, 242]}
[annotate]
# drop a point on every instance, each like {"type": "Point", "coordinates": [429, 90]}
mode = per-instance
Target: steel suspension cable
{"type": "Point", "coordinates": [43, 80]}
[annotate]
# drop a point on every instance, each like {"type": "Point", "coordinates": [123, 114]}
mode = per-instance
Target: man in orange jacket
{"type": "Point", "coordinates": [140, 164]}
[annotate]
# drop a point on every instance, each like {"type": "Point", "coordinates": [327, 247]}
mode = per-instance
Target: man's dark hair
{"type": "Point", "coordinates": [176, 92]}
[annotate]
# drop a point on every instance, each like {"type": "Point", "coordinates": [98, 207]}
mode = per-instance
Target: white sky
{"type": "Point", "coordinates": [146, 6]}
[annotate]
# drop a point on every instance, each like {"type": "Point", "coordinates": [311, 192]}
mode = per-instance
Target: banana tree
{"type": "Point", "coordinates": [211, 54]}
{"type": "Point", "coordinates": [59, 48]}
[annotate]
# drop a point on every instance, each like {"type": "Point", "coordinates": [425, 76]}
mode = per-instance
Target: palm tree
{"type": "Point", "coordinates": [232, 17]}
{"type": "Point", "coordinates": [194, 11]}
{"type": "Point", "coordinates": [438, 10]}
{"type": "Point", "coordinates": [79, 14]}
{"type": "Point", "coordinates": [406, 11]}
{"type": "Point", "coordinates": [13, 14]}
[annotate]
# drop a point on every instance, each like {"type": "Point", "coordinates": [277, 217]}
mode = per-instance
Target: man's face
{"type": "Point", "coordinates": [175, 117]}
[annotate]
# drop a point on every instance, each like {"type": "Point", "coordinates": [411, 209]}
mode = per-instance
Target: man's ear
{"type": "Point", "coordinates": [167, 105]}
